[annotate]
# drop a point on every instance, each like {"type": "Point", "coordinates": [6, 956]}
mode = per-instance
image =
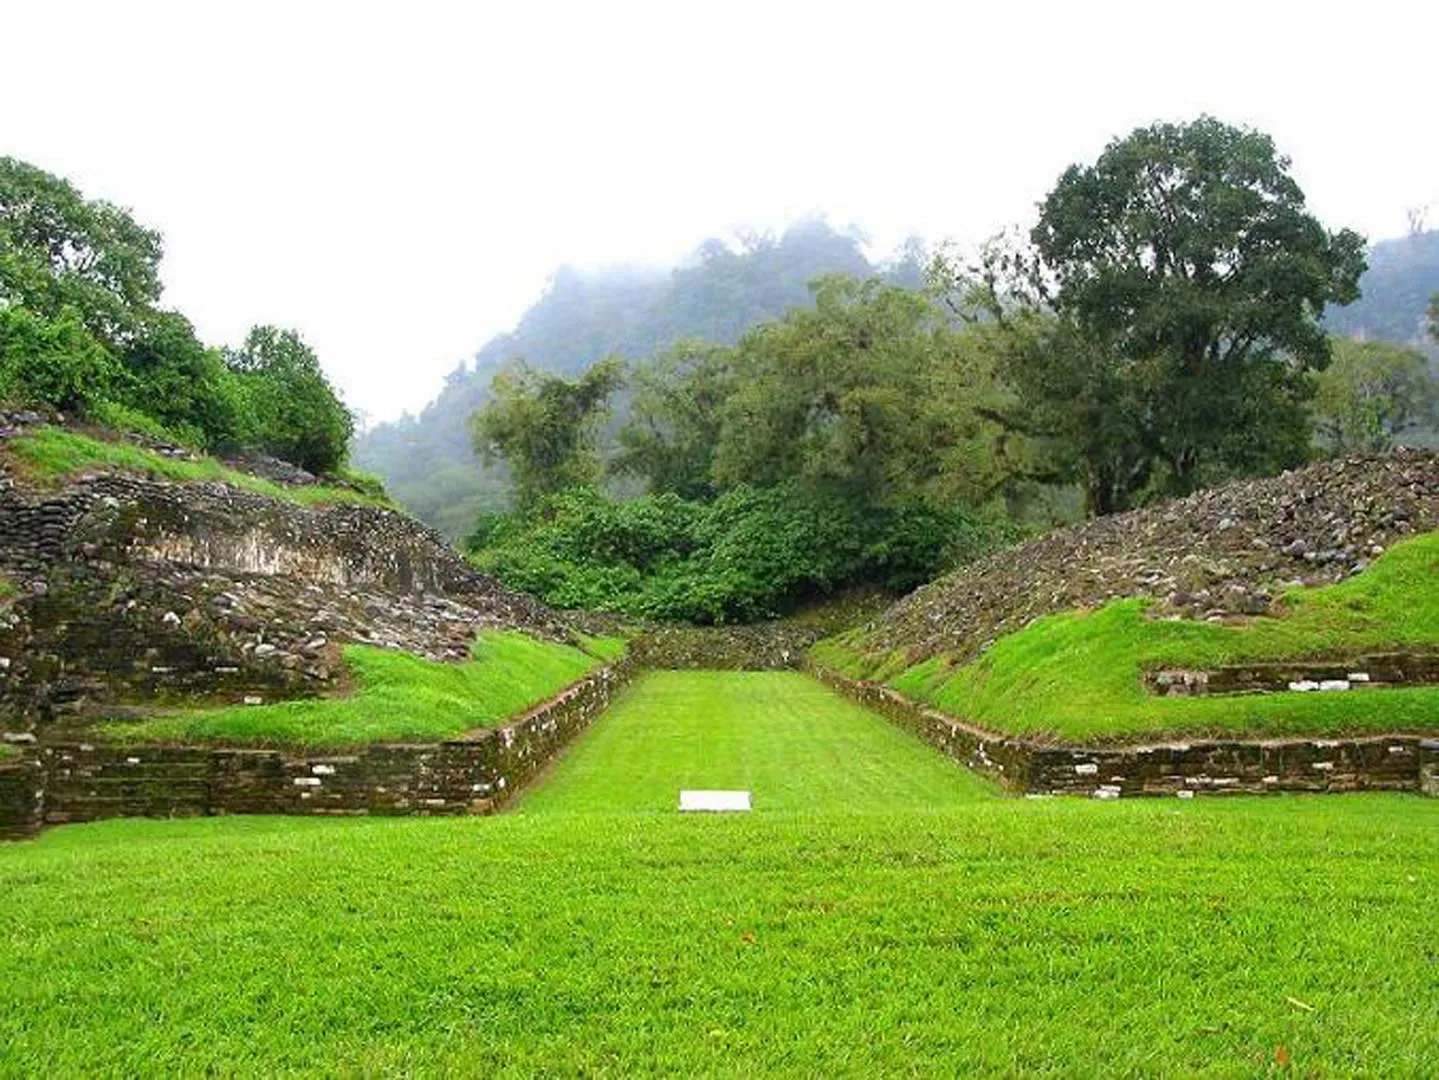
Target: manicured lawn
{"type": "Point", "coordinates": [997, 937]}
{"type": "Point", "coordinates": [399, 698]}
{"type": "Point", "coordinates": [791, 741]}
{"type": "Point", "coordinates": [54, 453]}
{"type": "Point", "coordinates": [1077, 676]}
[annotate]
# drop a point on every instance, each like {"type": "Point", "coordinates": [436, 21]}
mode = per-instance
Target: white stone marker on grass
{"type": "Point", "coordinates": [716, 801]}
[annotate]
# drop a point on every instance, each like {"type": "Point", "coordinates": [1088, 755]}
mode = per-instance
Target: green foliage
{"type": "Point", "coordinates": [293, 411]}
{"type": "Point", "coordinates": [60, 252]}
{"type": "Point", "coordinates": [871, 395]}
{"type": "Point", "coordinates": [52, 361]}
{"type": "Point", "coordinates": [839, 445]}
{"type": "Point", "coordinates": [750, 554]}
{"type": "Point", "coordinates": [171, 376]}
{"type": "Point", "coordinates": [366, 483]}
{"type": "Point", "coordinates": [1078, 675]}
{"type": "Point", "coordinates": [1432, 317]}
{"type": "Point", "coordinates": [401, 698]}
{"type": "Point", "coordinates": [1372, 395]}
{"type": "Point", "coordinates": [428, 461]}
{"type": "Point", "coordinates": [1187, 277]}
{"type": "Point", "coordinates": [127, 421]}
{"type": "Point", "coordinates": [544, 427]}
{"type": "Point", "coordinates": [55, 453]}
{"type": "Point", "coordinates": [675, 418]}
{"type": "Point", "coordinates": [80, 331]}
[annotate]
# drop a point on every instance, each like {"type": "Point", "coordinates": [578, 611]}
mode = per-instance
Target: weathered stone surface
{"type": "Point", "coordinates": [1201, 767]}
{"type": "Point", "coordinates": [22, 784]}
{"type": "Point", "coordinates": [1359, 672]}
{"type": "Point", "coordinates": [135, 590]}
{"type": "Point", "coordinates": [1218, 554]}
{"type": "Point", "coordinates": [768, 646]}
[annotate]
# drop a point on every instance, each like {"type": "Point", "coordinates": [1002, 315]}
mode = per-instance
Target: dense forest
{"type": "Point", "coordinates": [1159, 330]}
{"type": "Point", "coordinates": [428, 461]}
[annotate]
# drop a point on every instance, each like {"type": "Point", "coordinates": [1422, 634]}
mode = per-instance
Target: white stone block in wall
{"type": "Point", "coordinates": [1334, 684]}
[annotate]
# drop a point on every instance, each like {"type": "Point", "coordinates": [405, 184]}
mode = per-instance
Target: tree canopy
{"type": "Point", "coordinates": [543, 427]}
{"type": "Point", "coordinates": [60, 251]}
{"type": "Point", "coordinates": [81, 330]}
{"type": "Point", "coordinates": [1188, 279]}
{"type": "Point", "coordinates": [1372, 395]}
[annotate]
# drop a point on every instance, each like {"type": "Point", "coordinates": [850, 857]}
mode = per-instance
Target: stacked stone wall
{"type": "Point", "coordinates": [773, 646]}
{"type": "Point", "coordinates": [1183, 769]}
{"type": "Point", "coordinates": [71, 782]}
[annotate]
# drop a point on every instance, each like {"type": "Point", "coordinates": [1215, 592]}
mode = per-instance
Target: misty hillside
{"type": "Point", "coordinates": [1403, 273]}
{"type": "Point", "coordinates": [427, 462]}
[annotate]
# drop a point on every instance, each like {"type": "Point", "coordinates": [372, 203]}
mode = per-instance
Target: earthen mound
{"type": "Point", "coordinates": [1215, 554]}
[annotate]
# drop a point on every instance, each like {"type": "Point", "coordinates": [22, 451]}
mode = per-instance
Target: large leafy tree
{"type": "Point", "coordinates": [1372, 395]}
{"type": "Point", "coordinates": [60, 251]}
{"type": "Point", "coordinates": [544, 427]}
{"type": "Point", "coordinates": [1192, 277]}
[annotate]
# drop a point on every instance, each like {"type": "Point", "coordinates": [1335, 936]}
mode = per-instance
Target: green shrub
{"type": "Point", "coordinates": [129, 421]}
{"type": "Point", "coordinates": [55, 362]}
{"type": "Point", "coordinates": [752, 553]}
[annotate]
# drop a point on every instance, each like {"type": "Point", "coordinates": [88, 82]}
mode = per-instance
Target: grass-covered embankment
{"type": "Point", "coordinates": [49, 453]}
{"type": "Point", "coordinates": [1076, 676]}
{"type": "Point", "coordinates": [1001, 937]}
{"type": "Point", "coordinates": [789, 740]}
{"type": "Point", "coordinates": [398, 697]}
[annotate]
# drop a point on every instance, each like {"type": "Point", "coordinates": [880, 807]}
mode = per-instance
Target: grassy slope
{"type": "Point", "coordinates": [400, 698]}
{"type": "Point", "coordinates": [52, 452]}
{"type": "Point", "coordinates": [792, 742]}
{"type": "Point", "coordinates": [1002, 937]}
{"type": "Point", "coordinates": [1077, 675]}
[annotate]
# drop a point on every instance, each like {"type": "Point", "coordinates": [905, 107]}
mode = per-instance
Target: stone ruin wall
{"type": "Point", "coordinates": [133, 590]}
{"type": "Point", "coordinates": [771, 646]}
{"type": "Point", "coordinates": [1182, 768]}
{"type": "Point", "coordinates": [69, 782]}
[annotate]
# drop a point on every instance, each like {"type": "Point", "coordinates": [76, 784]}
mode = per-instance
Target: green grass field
{"type": "Point", "coordinates": [1076, 676]}
{"type": "Point", "coordinates": [919, 928]}
{"type": "Point", "coordinates": [398, 697]}
{"type": "Point", "coordinates": [53, 453]}
{"type": "Point", "coordinates": [791, 741]}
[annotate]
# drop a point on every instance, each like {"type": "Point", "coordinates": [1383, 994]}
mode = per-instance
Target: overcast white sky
{"type": "Point", "coordinates": [397, 181]}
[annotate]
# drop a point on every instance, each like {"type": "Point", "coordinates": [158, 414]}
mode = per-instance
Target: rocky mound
{"type": "Point", "coordinates": [125, 589]}
{"type": "Point", "coordinates": [1214, 554]}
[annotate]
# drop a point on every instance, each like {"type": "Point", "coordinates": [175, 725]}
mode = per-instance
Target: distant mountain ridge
{"type": "Point", "coordinates": [427, 462]}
